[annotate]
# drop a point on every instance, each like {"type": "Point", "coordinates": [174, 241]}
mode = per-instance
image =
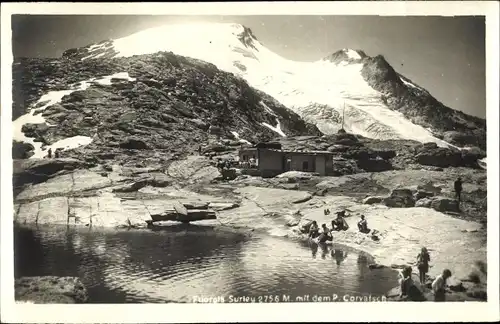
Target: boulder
{"type": "Point", "coordinates": [295, 176]}
{"type": "Point", "coordinates": [131, 187]}
{"type": "Point", "coordinates": [134, 144]}
{"type": "Point", "coordinates": [422, 194]}
{"type": "Point", "coordinates": [443, 204]}
{"type": "Point", "coordinates": [374, 266]}
{"type": "Point", "coordinates": [455, 285]}
{"type": "Point", "coordinates": [471, 156]}
{"type": "Point", "coordinates": [304, 225]}
{"type": "Point", "coordinates": [344, 167]}
{"type": "Point", "coordinates": [320, 192]}
{"type": "Point", "coordinates": [429, 187]}
{"type": "Point", "coordinates": [440, 157]}
{"type": "Point", "coordinates": [478, 293]}
{"type": "Point", "coordinates": [21, 150]}
{"type": "Point", "coordinates": [34, 130]}
{"type": "Point", "coordinates": [216, 148]}
{"type": "Point", "coordinates": [50, 289]}
{"type": "Point", "coordinates": [215, 130]}
{"type": "Point", "coordinates": [424, 202]}
{"type": "Point", "coordinates": [375, 165]}
{"type": "Point", "coordinates": [40, 170]}
{"type": "Point", "coordinates": [292, 222]}
{"type": "Point", "coordinates": [400, 198]}
{"type": "Point", "coordinates": [372, 200]}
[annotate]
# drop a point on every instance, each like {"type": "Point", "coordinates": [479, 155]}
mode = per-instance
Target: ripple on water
{"type": "Point", "coordinates": [170, 266]}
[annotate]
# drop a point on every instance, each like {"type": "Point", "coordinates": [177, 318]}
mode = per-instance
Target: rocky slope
{"type": "Point", "coordinates": [419, 106]}
{"type": "Point", "coordinates": [379, 103]}
{"type": "Point", "coordinates": [164, 102]}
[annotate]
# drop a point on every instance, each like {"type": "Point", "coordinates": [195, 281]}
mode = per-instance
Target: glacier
{"type": "Point", "coordinates": [298, 85]}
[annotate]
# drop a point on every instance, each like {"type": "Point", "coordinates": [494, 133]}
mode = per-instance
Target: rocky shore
{"type": "Point", "coordinates": [50, 290]}
{"type": "Point", "coordinates": [76, 193]}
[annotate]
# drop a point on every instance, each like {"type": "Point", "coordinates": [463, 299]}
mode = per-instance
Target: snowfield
{"type": "Point", "coordinates": [276, 128]}
{"type": "Point", "coordinates": [34, 116]}
{"type": "Point", "coordinates": [295, 84]}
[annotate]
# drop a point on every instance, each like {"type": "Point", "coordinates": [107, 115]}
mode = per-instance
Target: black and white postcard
{"type": "Point", "coordinates": [201, 162]}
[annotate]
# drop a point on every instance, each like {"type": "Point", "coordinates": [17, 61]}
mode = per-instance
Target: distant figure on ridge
{"type": "Point", "coordinates": [423, 259]}
{"type": "Point", "coordinates": [438, 286]}
{"type": "Point", "coordinates": [458, 188]}
{"type": "Point", "coordinates": [56, 153]}
{"type": "Point", "coordinates": [363, 225]}
{"type": "Point", "coordinates": [50, 153]}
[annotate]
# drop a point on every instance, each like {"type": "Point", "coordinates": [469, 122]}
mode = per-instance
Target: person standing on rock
{"type": "Point", "coordinates": [458, 188]}
{"type": "Point", "coordinates": [49, 153]}
{"type": "Point", "coordinates": [313, 230]}
{"type": "Point", "coordinates": [438, 285]}
{"type": "Point", "coordinates": [423, 259]}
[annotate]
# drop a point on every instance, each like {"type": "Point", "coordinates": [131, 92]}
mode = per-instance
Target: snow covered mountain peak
{"type": "Point", "coordinates": [375, 100]}
{"type": "Point", "coordinates": [345, 55]}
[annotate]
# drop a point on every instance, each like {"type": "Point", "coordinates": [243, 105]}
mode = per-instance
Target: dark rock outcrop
{"type": "Point", "coordinates": [372, 200]}
{"type": "Point", "coordinates": [50, 289]}
{"type": "Point", "coordinates": [444, 204]}
{"type": "Point", "coordinates": [439, 157]}
{"type": "Point", "coordinates": [400, 198]}
{"type": "Point", "coordinates": [134, 144]}
{"type": "Point", "coordinates": [39, 170]}
{"type": "Point", "coordinates": [169, 105]}
{"type": "Point", "coordinates": [421, 107]}
{"type": "Point", "coordinates": [21, 150]}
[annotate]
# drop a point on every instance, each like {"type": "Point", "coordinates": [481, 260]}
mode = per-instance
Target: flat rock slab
{"type": "Point", "coordinates": [65, 185]}
{"type": "Point", "coordinates": [50, 289]}
{"type": "Point", "coordinates": [452, 243]}
{"type": "Point", "coordinates": [108, 210]}
{"type": "Point", "coordinates": [272, 197]}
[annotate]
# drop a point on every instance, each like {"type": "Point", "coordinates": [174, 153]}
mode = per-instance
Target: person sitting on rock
{"type": "Point", "coordinates": [409, 291]}
{"type": "Point", "coordinates": [423, 259]}
{"type": "Point", "coordinates": [314, 230]}
{"type": "Point", "coordinates": [325, 234]}
{"type": "Point", "coordinates": [439, 284]}
{"type": "Point", "coordinates": [363, 225]}
{"type": "Point", "coordinates": [339, 224]}
{"type": "Point", "coordinates": [458, 188]}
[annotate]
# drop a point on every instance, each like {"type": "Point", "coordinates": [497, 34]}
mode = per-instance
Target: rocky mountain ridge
{"type": "Point", "coordinates": [173, 103]}
{"type": "Point", "coordinates": [375, 95]}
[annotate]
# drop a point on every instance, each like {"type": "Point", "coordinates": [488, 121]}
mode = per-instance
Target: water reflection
{"type": "Point", "coordinates": [181, 262]}
{"type": "Point", "coordinates": [339, 255]}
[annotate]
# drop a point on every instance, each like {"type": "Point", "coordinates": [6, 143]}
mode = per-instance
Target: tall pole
{"type": "Point", "coordinates": [343, 114]}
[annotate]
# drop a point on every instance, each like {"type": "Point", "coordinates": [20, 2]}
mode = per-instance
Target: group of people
{"type": "Point", "coordinates": [338, 224]}
{"type": "Point", "coordinates": [408, 288]}
{"type": "Point", "coordinates": [250, 164]}
{"type": "Point", "coordinates": [56, 153]}
{"type": "Point", "coordinates": [223, 164]}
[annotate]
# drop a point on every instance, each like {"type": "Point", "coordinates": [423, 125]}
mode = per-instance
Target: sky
{"type": "Point", "coordinates": [445, 55]}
